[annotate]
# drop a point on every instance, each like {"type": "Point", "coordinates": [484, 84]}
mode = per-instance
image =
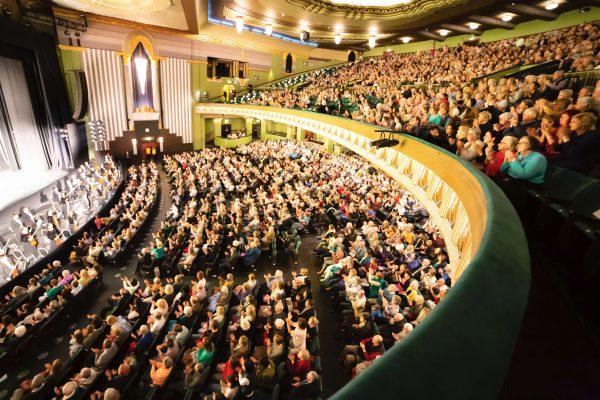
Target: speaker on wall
{"type": "Point", "coordinates": [79, 92]}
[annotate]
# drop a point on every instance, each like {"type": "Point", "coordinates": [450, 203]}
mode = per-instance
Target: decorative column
{"type": "Point", "coordinates": [128, 89]}
{"type": "Point", "coordinates": [263, 129]}
{"type": "Point", "coordinates": [290, 132]}
{"type": "Point", "coordinates": [299, 134]}
{"type": "Point", "coordinates": [328, 145]}
{"type": "Point", "coordinates": [217, 123]}
{"type": "Point", "coordinates": [156, 89]}
{"type": "Point", "coordinates": [249, 122]}
{"type": "Point", "coordinates": [200, 135]}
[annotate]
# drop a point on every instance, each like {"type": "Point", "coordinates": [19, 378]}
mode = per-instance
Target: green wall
{"type": "Point", "coordinates": [566, 19]}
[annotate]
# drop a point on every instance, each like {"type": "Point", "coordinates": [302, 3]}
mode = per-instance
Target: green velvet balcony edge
{"type": "Point", "coordinates": [463, 349]}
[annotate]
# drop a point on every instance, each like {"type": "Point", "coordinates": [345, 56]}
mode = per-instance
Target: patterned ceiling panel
{"type": "Point", "coordinates": [413, 9]}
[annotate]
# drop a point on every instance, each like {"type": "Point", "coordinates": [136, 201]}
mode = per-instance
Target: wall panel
{"type": "Point", "coordinates": [104, 75]}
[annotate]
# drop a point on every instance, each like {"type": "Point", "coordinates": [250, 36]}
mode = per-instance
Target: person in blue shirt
{"type": "Point", "coordinates": [251, 255]}
{"type": "Point", "coordinates": [527, 165]}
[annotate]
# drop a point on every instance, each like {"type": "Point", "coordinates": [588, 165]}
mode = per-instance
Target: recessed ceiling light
{"type": "Point", "coordinates": [444, 32]}
{"type": "Point", "coordinates": [269, 29]}
{"type": "Point", "coordinates": [372, 41]}
{"type": "Point", "coordinates": [506, 17]}
{"type": "Point", "coordinates": [473, 25]}
{"type": "Point", "coordinates": [551, 5]}
{"type": "Point", "coordinates": [239, 24]}
{"type": "Point", "coordinates": [406, 39]}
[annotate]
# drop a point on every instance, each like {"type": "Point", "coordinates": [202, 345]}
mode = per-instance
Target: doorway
{"type": "Point", "coordinates": [149, 150]}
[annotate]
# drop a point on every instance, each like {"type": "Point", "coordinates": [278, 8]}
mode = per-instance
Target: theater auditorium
{"type": "Point", "coordinates": [299, 199]}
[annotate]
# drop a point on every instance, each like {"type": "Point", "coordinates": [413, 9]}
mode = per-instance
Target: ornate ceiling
{"type": "Point", "coordinates": [164, 13]}
{"type": "Point", "coordinates": [334, 24]}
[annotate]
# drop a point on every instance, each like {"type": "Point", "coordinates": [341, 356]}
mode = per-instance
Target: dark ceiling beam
{"type": "Point", "coordinates": [482, 19]}
{"type": "Point", "coordinates": [536, 12]}
{"type": "Point", "coordinates": [431, 35]}
{"type": "Point", "coordinates": [461, 29]}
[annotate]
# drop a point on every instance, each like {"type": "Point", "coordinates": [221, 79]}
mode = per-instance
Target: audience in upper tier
{"type": "Point", "coordinates": [472, 118]}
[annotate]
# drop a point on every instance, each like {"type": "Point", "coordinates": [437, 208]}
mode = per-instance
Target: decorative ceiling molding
{"type": "Point", "coordinates": [492, 21]}
{"type": "Point", "coordinates": [461, 29]}
{"type": "Point", "coordinates": [414, 9]}
{"type": "Point", "coordinates": [432, 35]}
{"type": "Point", "coordinates": [533, 11]}
{"type": "Point", "coordinates": [102, 19]}
{"type": "Point", "coordinates": [231, 14]}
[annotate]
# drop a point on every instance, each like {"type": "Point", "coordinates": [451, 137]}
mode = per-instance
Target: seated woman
{"type": "Point", "coordinates": [527, 164]}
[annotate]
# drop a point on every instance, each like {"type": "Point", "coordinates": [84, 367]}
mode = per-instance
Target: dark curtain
{"type": "Point", "coordinates": [8, 149]}
{"type": "Point", "coordinates": [288, 64]}
{"type": "Point", "coordinates": [142, 91]}
{"type": "Point", "coordinates": [352, 56]}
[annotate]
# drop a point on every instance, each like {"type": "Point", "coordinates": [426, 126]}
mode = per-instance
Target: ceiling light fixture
{"type": "Point", "coordinates": [372, 41]}
{"type": "Point", "coordinates": [268, 29]}
{"type": "Point", "coordinates": [551, 5]}
{"type": "Point", "coordinates": [473, 25]}
{"type": "Point", "coordinates": [337, 38]}
{"type": "Point", "coordinates": [444, 32]}
{"type": "Point", "coordinates": [239, 24]}
{"type": "Point", "coordinates": [406, 39]}
{"type": "Point", "coordinates": [506, 17]}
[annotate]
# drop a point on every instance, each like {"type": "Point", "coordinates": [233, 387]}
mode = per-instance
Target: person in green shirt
{"type": "Point", "coordinates": [528, 164]}
{"type": "Point", "coordinates": [376, 283]}
{"type": "Point", "coordinates": [205, 354]}
{"type": "Point", "coordinates": [54, 290]}
{"type": "Point", "coordinates": [158, 252]}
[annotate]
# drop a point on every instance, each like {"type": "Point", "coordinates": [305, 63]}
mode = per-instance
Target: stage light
{"type": "Point", "coordinates": [444, 32]}
{"type": "Point", "coordinates": [337, 38]}
{"type": "Point", "coordinates": [269, 30]}
{"type": "Point", "coordinates": [239, 24]}
{"type": "Point", "coordinates": [506, 17]}
{"type": "Point", "coordinates": [552, 5]}
{"type": "Point", "coordinates": [473, 25]}
{"type": "Point", "coordinates": [372, 41]}
{"type": "Point", "coordinates": [406, 39]}
{"type": "Point", "coordinates": [140, 66]}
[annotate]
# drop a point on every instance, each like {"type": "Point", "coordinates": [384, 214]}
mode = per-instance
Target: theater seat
{"type": "Point", "coordinates": [561, 186]}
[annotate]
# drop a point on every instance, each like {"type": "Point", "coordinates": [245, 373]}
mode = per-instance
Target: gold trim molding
{"type": "Point", "coordinates": [72, 48]}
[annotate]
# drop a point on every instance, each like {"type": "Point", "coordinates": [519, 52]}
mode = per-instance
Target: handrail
{"type": "Point", "coordinates": [468, 339]}
{"type": "Point", "coordinates": [281, 78]}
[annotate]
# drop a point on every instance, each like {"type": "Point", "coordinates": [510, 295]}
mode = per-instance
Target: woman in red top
{"type": "Point", "coordinates": [298, 365]}
{"type": "Point", "coordinates": [494, 159]}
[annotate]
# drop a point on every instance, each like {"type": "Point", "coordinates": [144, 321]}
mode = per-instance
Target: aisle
{"type": "Point", "coordinates": [332, 374]}
{"type": "Point", "coordinates": [57, 344]}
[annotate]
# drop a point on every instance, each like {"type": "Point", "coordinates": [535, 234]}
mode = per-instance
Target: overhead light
{"type": "Point", "coordinates": [268, 29]}
{"type": "Point", "coordinates": [551, 5]}
{"type": "Point", "coordinates": [372, 41]}
{"type": "Point", "coordinates": [444, 32]}
{"type": "Point", "coordinates": [506, 17]}
{"type": "Point", "coordinates": [473, 25]}
{"type": "Point", "coordinates": [239, 24]}
{"type": "Point", "coordinates": [337, 38]}
{"type": "Point", "coordinates": [406, 39]}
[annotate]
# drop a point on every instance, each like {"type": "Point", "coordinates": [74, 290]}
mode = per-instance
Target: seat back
{"type": "Point", "coordinates": [587, 202]}
{"type": "Point", "coordinates": [565, 185]}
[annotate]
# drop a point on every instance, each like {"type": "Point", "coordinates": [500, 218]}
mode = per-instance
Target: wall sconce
{"type": "Point", "coordinates": [197, 96]}
{"type": "Point", "coordinates": [134, 144]}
